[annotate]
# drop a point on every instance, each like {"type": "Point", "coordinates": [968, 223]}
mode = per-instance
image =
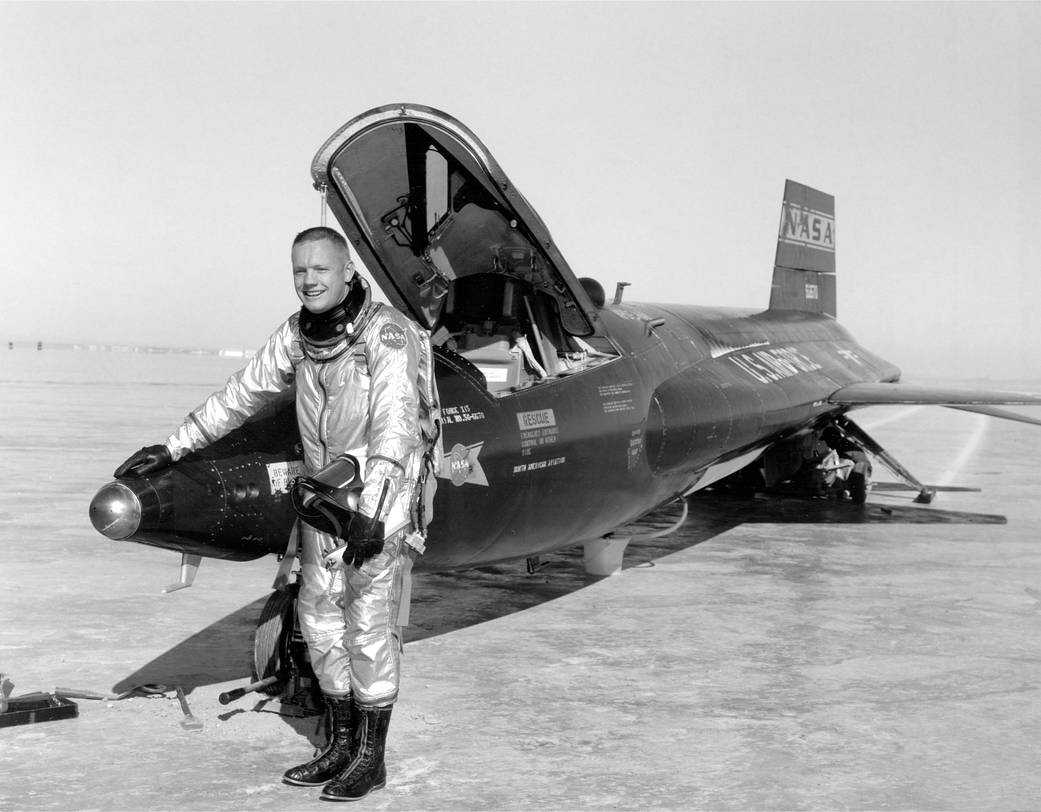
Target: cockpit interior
{"type": "Point", "coordinates": [512, 333]}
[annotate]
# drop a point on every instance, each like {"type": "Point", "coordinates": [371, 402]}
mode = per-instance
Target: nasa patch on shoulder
{"type": "Point", "coordinates": [392, 336]}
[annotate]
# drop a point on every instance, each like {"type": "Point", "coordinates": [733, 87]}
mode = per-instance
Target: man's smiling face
{"type": "Point", "coordinates": [321, 273]}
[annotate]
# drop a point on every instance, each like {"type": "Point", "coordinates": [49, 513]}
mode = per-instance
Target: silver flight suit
{"type": "Point", "coordinates": [372, 397]}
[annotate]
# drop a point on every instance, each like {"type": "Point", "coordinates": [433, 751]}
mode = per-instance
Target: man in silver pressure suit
{"type": "Point", "coordinates": [365, 388]}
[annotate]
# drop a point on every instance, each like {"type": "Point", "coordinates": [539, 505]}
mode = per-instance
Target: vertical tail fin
{"type": "Point", "coordinates": [804, 270]}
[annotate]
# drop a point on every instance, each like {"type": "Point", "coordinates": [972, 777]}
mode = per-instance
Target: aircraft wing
{"type": "Point", "coordinates": [979, 401]}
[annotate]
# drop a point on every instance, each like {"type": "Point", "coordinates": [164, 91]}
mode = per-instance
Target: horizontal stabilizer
{"type": "Point", "coordinates": [880, 394]}
{"type": "Point", "coordinates": [1004, 414]}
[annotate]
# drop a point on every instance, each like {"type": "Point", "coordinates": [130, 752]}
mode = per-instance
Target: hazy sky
{"type": "Point", "coordinates": [155, 157]}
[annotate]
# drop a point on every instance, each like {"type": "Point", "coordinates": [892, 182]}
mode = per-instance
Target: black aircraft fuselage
{"type": "Point", "coordinates": [558, 462]}
{"type": "Point", "coordinates": [577, 456]}
{"type": "Point", "coordinates": [564, 416]}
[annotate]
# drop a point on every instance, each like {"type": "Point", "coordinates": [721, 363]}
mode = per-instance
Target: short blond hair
{"type": "Point", "coordinates": [318, 233]}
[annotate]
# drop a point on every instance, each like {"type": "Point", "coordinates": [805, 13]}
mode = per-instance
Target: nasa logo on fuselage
{"type": "Point", "coordinates": [807, 227]}
{"type": "Point", "coordinates": [462, 466]}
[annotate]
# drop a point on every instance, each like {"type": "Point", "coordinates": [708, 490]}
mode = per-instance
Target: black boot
{"type": "Point", "coordinates": [366, 770]}
{"type": "Point", "coordinates": [337, 754]}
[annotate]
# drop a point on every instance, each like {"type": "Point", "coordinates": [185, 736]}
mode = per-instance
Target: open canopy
{"type": "Point", "coordinates": [424, 204]}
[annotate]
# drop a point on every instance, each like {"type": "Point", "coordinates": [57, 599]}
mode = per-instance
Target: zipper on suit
{"type": "Point", "coordinates": [322, 409]}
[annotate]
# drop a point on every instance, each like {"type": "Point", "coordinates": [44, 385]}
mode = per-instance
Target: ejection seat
{"type": "Point", "coordinates": [501, 365]}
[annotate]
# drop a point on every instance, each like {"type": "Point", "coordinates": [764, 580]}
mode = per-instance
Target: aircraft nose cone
{"type": "Point", "coordinates": [115, 511]}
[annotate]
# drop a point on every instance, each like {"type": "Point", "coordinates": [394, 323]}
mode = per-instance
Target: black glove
{"type": "Point", "coordinates": [364, 537]}
{"type": "Point", "coordinates": [364, 540]}
{"type": "Point", "coordinates": [148, 459]}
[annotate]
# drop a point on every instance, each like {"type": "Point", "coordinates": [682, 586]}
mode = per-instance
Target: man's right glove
{"type": "Point", "coordinates": [146, 461]}
{"type": "Point", "coordinates": [365, 538]}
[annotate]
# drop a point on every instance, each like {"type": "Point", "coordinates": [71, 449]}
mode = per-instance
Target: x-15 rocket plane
{"type": "Point", "coordinates": [566, 415]}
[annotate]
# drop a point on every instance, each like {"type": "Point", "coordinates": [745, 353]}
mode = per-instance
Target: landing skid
{"type": "Point", "coordinates": [901, 486]}
{"type": "Point", "coordinates": [189, 568]}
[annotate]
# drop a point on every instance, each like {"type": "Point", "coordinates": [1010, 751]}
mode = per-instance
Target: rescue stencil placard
{"type": "Point", "coordinates": [536, 420]}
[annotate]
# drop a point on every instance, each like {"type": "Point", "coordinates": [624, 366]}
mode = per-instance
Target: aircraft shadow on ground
{"type": "Point", "coordinates": [219, 653]}
{"type": "Point", "coordinates": [786, 509]}
{"type": "Point", "coordinates": [449, 601]}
